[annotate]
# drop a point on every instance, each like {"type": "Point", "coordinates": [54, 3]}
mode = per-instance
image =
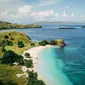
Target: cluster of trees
{"type": "Point", "coordinates": [59, 42]}
{"type": "Point", "coordinates": [7, 82]}
{"type": "Point", "coordinates": [10, 57]}
{"type": "Point", "coordinates": [33, 79]}
{"type": "Point", "coordinates": [20, 44]}
{"type": "Point", "coordinates": [28, 63]}
{"type": "Point", "coordinates": [9, 42]}
{"type": "Point", "coordinates": [45, 42]}
{"type": "Point", "coordinates": [27, 55]}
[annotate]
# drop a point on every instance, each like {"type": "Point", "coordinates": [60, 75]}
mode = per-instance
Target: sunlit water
{"type": "Point", "coordinates": [65, 66]}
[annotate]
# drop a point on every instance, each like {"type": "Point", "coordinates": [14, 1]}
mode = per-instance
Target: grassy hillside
{"type": "Point", "coordinates": [8, 25]}
{"type": "Point", "coordinates": [15, 37]}
{"type": "Point", "coordinates": [8, 72]}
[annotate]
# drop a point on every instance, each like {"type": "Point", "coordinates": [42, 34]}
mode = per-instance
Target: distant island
{"type": "Point", "coordinates": [59, 22]}
{"type": "Point", "coordinates": [8, 25]}
{"type": "Point", "coordinates": [83, 27]}
{"type": "Point", "coordinates": [66, 28]}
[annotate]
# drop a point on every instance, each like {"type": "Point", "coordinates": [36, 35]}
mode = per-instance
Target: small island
{"type": "Point", "coordinates": [66, 28]}
{"type": "Point", "coordinates": [8, 25]}
{"type": "Point", "coordinates": [83, 27]}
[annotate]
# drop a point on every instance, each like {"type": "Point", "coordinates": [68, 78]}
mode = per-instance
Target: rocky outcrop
{"type": "Point", "coordinates": [61, 43]}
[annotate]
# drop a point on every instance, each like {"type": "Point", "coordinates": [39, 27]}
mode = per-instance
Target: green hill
{"type": "Point", "coordinates": [8, 25]}
{"type": "Point", "coordinates": [10, 41]}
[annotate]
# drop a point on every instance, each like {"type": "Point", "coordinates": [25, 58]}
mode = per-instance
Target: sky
{"type": "Point", "coordinates": [31, 11]}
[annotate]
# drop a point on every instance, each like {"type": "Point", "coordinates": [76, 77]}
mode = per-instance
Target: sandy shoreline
{"type": "Point", "coordinates": [35, 54]}
{"type": "Point", "coordinates": [62, 79]}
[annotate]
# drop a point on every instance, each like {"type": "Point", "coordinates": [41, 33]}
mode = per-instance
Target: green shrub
{"type": "Point", "coordinates": [7, 83]}
{"type": "Point", "coordinates": [10, 57]}
{"type": "Point", "coordinates": [43, 43]}
{"type": "Point", "coordinates": [33, 80]}
{"type": "Point", "coordinates": [6, 37]}
{"type": "Point", "coordinates": [27, 55]}
{"type": "Point", "coordinates": [53, 42]}
{"type": "Point", "coordinates": [32, 44]}
{"type": "Point", "coordinates": [28, 63]}
{"type": "Point", "coordinates": [20, 44]}
{"type": "Point", "coordinates": [9, 43]}
{"type": "Point", "coordinates": [3, 49]}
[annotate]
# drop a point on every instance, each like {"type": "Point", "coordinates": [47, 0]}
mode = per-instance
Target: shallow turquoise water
{"type": "Point", "coordinates": [51, 68]}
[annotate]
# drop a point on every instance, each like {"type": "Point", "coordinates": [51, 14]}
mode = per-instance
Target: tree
{"type": "Point", "coordinates": [3, 49]}
{"type": "Point", "coordinates": [10, 57]}
{"type": "Point", "coordinates": [27, 55]}
{"type": "Point", "coordinates": [28, 63]}
{"type": "Point", "coordinates": [6, 37]}
{"type": "Point", "coordinates": [32, 44]}
{"type": "Point", "coordinates": [53, 42]}
{"type": "Point", "coordinates": [43, 43]}
{"type": "Point", "coordinates": [9, 43]}
{"type": "Point", "coordinates": [33, 79]}
{"type": "Point", "coordinates": [7, 82]}
{"type": "Point", "coordinates": [20, 44]}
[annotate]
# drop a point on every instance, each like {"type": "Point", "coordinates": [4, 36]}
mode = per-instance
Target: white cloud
{"type": "Point", "coordinates": [82, 16]}
{"type": "Point", "coordinates": [42, 15]}
{"type": "Point", "coordinates": [72, 14]}
{"type": "Point", "coordinates": [4, 1]}
{"type": "Point", "coordinates": [24, 11]}
{"type": "Point", "coordinates": [67, 7]}
{"type": "Point", "coordinates": [64, 14]}
{"type": "Point", "coordinates": [47, 2]}
{"type": "Point", "coordinates": [4, 15]}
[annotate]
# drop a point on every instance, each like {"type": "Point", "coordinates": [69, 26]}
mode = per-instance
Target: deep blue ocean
{"type": "Point", "coordinates": [72, 56]}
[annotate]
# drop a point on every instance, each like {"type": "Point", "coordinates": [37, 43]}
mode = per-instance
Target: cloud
{"type": "Point", "coordinates": [65, 14]}
{"type": "Point", "coordinates": [72, 14]}
{"type": "Point", "coordinates": [47, 2]}
{"type": "Point", "coordinates": [23, 11]}
{"type": "Point", "coordinates": [82, 16]}
{"type": "Point", "coordinates": [4, 1]}
{"type": "Point", "coordinates": [43, 15]}
{"type": "Point", "coordinates": [67, 7]}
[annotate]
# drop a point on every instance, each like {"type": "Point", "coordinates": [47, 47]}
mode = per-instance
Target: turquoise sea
{"type": "Point", "coordinates": [61, 66]}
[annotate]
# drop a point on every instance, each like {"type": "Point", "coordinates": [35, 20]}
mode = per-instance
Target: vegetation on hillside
{"type": "Point", "coordinates": [12, 45]}
{"type": "Point", "coordinates": [8, 75]}
{"type": "Point", "coordinates": [11, 48]}
{"type": "Point", "coordinates": [33, 79]}
{"type": "Point", "coordinates": [11, 57]}
{"type": "Point", "coordinates": [15, 41]}
{"type": "Point", "coordinates": [8, 25]}
{"type": "Point", "coordinates": [59, 42]}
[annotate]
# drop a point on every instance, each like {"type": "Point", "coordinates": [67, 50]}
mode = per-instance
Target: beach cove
{"type": "Point", "coordinates": [44, 61]}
